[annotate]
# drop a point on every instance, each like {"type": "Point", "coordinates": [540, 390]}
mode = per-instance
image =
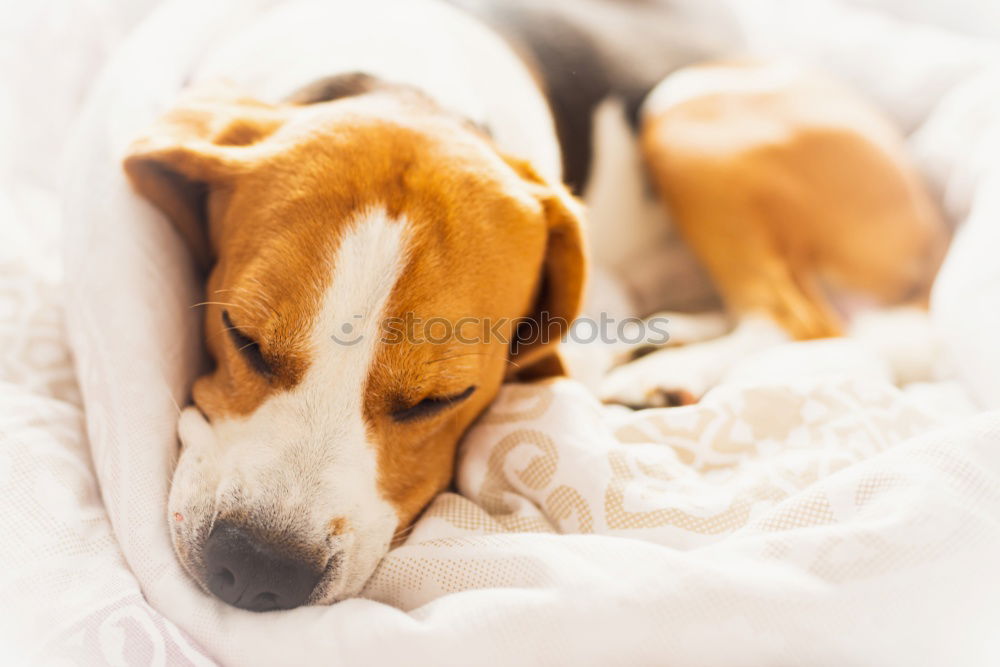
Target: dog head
{"type": "Point", "coordinates": [373, 262]}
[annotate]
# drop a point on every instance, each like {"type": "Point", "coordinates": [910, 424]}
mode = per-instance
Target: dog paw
{"type": "Point", "coordinates": [657, 397]}
{"type": "Point", "coordinates": [662, 379]}
{"type": "Point", "coordinates": [680, 375]}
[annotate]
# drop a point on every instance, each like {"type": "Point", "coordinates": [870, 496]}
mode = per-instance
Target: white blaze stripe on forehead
{"type": "Point", "coordinates": [304, 457]}
{"type": "Point", "coordinates": [366, 267]}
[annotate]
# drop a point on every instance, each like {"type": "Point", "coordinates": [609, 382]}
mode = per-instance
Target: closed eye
{"type": "Point", "coordinates": [430, 406]}
{"type": "Point", "coordinates": [247, 347]}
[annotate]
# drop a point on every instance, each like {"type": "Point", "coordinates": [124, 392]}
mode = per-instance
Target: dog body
{"type": "Point", "coordinates": [798, 199]}
{"type": "Point", "coordinates": [423, 181]}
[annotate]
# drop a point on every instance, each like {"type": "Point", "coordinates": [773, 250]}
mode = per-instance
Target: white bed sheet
{"type": "Point", "coordinates": [800, 518]}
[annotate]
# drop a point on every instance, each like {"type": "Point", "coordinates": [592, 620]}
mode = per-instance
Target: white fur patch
{"type": "Point", "coordinates": [442, 50]}
{"type": "Point", "coordinates": [695, 82]}
{"type": "Point", "coordinates": [631, 235]}
{"type": "Point", "coordinates": [303, 457]}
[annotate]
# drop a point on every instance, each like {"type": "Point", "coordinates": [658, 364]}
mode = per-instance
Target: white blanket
{"type": "Point", "coordinates": [795, 516]}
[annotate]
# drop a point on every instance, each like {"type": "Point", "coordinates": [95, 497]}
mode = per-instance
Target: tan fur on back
{"type": "Point", "coordinates": [788, 186]}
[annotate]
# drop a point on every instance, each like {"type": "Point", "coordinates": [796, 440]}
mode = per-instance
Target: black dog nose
{"type": "Point", "coordinates": [253, 575]}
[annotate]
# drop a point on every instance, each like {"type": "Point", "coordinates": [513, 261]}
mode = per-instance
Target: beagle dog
{"type": "Point", "coordinates": [378, 196]}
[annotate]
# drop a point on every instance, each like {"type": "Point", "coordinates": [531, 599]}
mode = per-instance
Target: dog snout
{"type": "Point", "coordinates": [256, 575]}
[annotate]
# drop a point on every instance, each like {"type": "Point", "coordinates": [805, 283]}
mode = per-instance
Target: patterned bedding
{"type": "Point", "coordinates": [797, 515]}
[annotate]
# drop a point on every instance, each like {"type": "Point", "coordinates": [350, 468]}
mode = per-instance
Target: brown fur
{"type": "Point", "coordinates": [790, 193]}
{"type": "Point", "coordinates": [279, 184]}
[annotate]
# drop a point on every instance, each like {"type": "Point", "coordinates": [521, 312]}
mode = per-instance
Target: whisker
{"type": "Point", "coordinates": [257, 298]}
{"type": "Point", "coordinates": [174, 401]}
{"type": "Point", "coordinates": [408, 529]}
{"type": "Point", "coordinates": [471, 354]}
{"type": "Point", "coordinates": [215, 303]}
{"type": "Point", "coordinates": [241, 328]}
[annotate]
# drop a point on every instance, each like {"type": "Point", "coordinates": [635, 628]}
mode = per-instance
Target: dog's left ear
{"type": "Point", "coordinates": [559, 292]}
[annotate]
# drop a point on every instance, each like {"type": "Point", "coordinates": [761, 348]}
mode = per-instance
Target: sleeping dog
{"type": "Point", "coordinates": [368, 163]}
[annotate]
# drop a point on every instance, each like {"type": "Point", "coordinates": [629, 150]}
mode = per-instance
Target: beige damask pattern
{"type": "Point", "coordinates": [548, 457]}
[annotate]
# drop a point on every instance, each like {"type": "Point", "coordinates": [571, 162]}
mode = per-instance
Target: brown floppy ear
{"type": "Point", "coordinates": [204, 142]}
{"type": "Point", "coordinates": [559, 292]}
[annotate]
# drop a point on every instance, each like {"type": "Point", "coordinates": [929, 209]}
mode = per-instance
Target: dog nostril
{"type": "Point", "coordinates": [255, 575]}
{"type": "Point", "coordinates": [225, 578]}
{"type": "Point", "coordinates": [265, 602]}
